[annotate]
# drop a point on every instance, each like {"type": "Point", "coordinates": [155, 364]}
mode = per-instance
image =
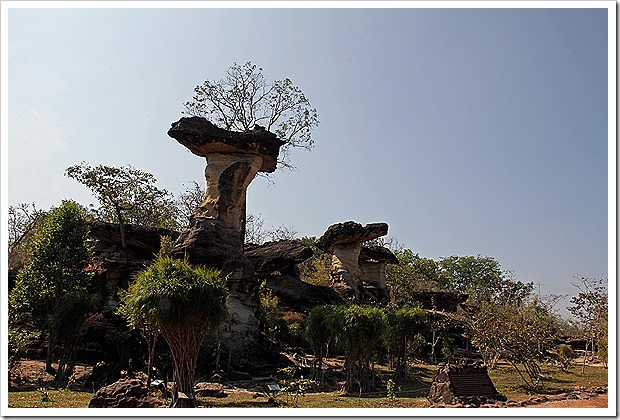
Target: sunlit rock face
{"type": "Point", "coordinates": [344, 240]}
{"type": "Point", "coordinates": [373, 261]}
{"type": "Point", "coordinates": [276, 263]}
{"type": "Point", "coordinates": [215, 234]}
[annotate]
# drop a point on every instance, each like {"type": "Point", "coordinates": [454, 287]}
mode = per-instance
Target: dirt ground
{"type": "Point", "coordinates": [30, 375]}
{"type": "Point", "coordinates": [599, 401]}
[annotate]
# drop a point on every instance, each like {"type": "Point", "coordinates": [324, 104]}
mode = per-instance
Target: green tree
{"type": "Point", "coordinates": [590, 310]}
{"type": "Point", "coordinates": [127, 196]}
{"type": "Point", "coordinates": [185, 303]}
{"type": "Point", "coordinates": [23, 221]}
{"type": "Point", "coordinates": [403, 325]}
{"type": "Point", "coordinates": [480, 277]}
{"type": "Point", "coordinates": [412, 273]}
{"type": "Point", "coordinates": [243, 99]}
{"type": "Point", "coordinates": [358, 331]}
{"type": "Point", "coordinates": [52, 287]}
{"type": "Point", "coordinates": [520, 331]}
{"type": "Point", "coordinates": [318, 335]}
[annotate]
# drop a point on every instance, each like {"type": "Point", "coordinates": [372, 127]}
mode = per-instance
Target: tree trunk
{"type": "Point", "coordinates": [121, 224]}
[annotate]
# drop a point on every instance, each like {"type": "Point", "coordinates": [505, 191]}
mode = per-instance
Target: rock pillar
{"type": "Point", "coordinates": [215, 235]}
{"type": "Point", "coordinates": [343, 240]}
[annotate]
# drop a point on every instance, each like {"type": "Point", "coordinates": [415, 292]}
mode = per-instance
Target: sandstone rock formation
{"type": "Point", "coordinates": [372, 261]}
{"type": "Point", "coordinates": [276, 263]}
{"type": "Point", "coordinates": [112, 269]}
{"type": "Point", "coordinates": [343, 241]}
{"type": "Point", "coordinates": [216, 231]}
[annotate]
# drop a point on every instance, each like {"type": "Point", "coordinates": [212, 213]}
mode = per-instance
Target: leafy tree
{"type": "Point", "coordinates": [127, 196]}
{"type": "Point", "coordinates": [52, 286]}
{"type": "Point", "coordinates": [243, 99]}
{"type": "Point", "coordinates": [187, 202]}
{"type": "Point", "coordinates": [565, 354]}
{"type": "Point", "coordinates": [318, 335]}
{"type": "Point", "coordinates": [358, 331]}
{"type": "Point", "coordinates": [185, 303]}
{"type": "Point", "coordinates": [480, 277]}
{"type": "Point", "coordinates": [403, 325]}
{"type": "Point", "coordinates": [23, 221]}
{"type": "Point", "coordinates": [317, 269]}
{"type": "Point", "coordinates": [520, 331]}
{"type": "Point", "coordinates": [590, 309]}
{"type": "Point", "coordinates": [412, 273]}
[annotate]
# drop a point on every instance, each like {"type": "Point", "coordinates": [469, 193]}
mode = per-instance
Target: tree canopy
{"type": "Point", "coordinates": [243, 99]}
{"type": "Point", "coordinates": [52, 285]}
{"type": "Point", "coordinates": [185, 303]}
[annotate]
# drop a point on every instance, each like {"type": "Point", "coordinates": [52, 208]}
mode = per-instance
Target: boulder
{"type": "Point", "coordinates": [124, 393]}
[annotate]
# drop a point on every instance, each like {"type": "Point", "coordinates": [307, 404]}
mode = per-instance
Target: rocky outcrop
{"type": "Point", "coordinates": [343, 240]}
{"type": "Point", "coordinates": [276, 264]}
{"type": "Point", "coordinates": [114, 268]}
{"type": "Point", "coordinates": [215, 234]}
{"type": "Point", "coordinates": [278, 256]}
{"type": "Point", "coordinates": [124, 393]}
{"type": "Point", "coordinates": [373, 261]}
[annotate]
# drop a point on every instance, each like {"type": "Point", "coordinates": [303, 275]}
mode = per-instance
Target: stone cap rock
{"type": "Point", "coordinates": [378, 253]}
{"type": "Point", "coordinates": [202, 137]}
{"type": "Point", "coordinates": [142, 237]}
{"type": "Point", "coordinates": [350, 232]}
{"type": "Point", "coordinates": [277, 255]}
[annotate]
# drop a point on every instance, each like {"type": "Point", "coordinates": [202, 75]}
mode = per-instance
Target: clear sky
{"type": "Point", "coordinates": [469, 131]}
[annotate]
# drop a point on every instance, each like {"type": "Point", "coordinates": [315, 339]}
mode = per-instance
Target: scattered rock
{"type": "Point", "coordinates": [209, 389]}
{"type": "Point", "coordinates": [125, 393]}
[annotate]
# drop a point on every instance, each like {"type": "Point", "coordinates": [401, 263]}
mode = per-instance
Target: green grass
{"type": "Point", "coordinates": [49, 398]}
{"type": "Point", "coordinates": [409, 393]}
{"type": "Point", "coordinates": [508, 382]}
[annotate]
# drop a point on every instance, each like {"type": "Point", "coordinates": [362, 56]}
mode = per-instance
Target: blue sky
{"type": "Point", "coordinates": [469, 131]}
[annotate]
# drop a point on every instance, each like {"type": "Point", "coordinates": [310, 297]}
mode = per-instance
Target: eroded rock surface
{"type": "Point", "coordinates": [215, 234]}
{"type": "Point", "coordinates": [343, 240]}
{"type": "Point", "coordinates": [124, 393]}
{"type": "Point", "coordinates": [277, 264]}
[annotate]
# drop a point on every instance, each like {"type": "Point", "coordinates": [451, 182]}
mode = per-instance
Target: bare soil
{"type": "Point", "coordinates": [31, 374]}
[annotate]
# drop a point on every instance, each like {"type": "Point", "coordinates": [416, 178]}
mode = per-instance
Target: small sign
{"type": "Point", "coordinates": [273, 387]}
{"type": "Point", "coordinates": [157, 382]}
{"type": "Point", "coordinates": [182, 395]}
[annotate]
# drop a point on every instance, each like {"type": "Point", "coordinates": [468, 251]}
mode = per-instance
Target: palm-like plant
{"type": "Point", "coordinates": [185, 302]}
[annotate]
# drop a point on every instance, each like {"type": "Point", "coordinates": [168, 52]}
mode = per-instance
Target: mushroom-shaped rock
{"type": "Point", "coordinates": [278, 256]}
{"type": "Point", "coordinates": [216, 230]}
{"type": "Point", "coordinates": [202, 138]}
{"type": "Point", "coordinates": [350, 232]}
{"type": "Point", "coordinates": [373, 260]}
{"type": "Point", "coordinates": [343, 241]}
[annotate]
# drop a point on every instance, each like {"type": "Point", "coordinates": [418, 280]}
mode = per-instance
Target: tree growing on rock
{"type": "Point", "coordinates": [52, 287]}
{"type": "Point", "coordinates": [243, 99]}
{"type": "Point", "coordinates": [127, 196]}
{"type": "Point", "coordinates": [185, 303]}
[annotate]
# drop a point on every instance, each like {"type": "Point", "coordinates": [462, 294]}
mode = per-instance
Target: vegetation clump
{"type": "Point", "coordinates": [185, 303]}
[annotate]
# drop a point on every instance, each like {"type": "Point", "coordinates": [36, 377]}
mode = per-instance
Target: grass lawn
{"type": "Point", "coordinates": [409, 393]}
